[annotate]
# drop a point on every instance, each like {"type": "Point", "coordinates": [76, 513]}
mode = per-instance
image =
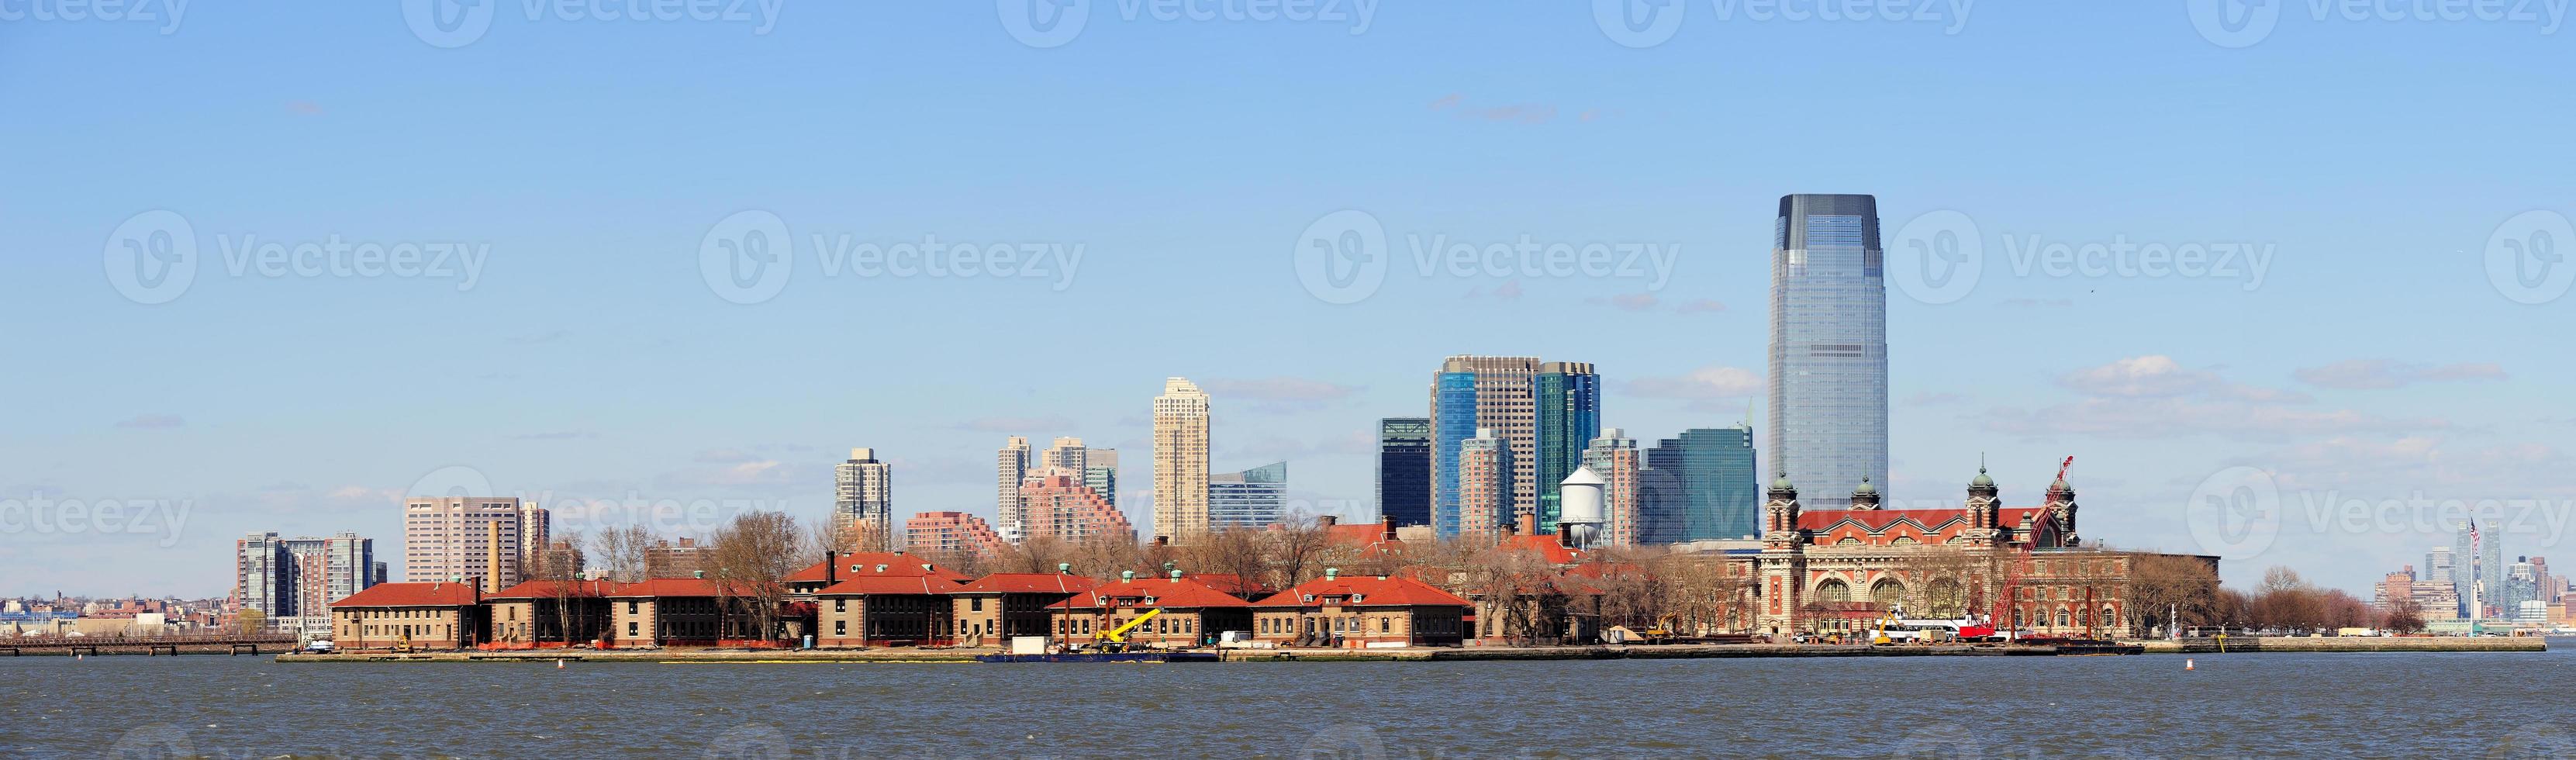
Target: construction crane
{"type": "Point", "coordinates": [2061, 467]}
{"type": "Point", "coordinates": [1115, 639]}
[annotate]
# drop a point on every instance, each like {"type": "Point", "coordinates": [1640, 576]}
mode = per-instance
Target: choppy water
{"type": "Point", "coordinates": [2381, 705]}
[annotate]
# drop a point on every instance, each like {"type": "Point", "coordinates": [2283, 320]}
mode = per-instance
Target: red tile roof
{"type": "Point", "coordinates": [434, 594]}
{"type": "Point", "coordinates": [1028, 583]}
{"type": "Point", "coordinates": [1231, 584]}
{"type": "Point", "coordinates": [1548, 546]}
{"type": "Point", "coordinates": [667, 587]}
{"type": "Point", "coordinates": [1166, 592]}
{"type": "Point", "coordinates": [866, 563]}
{"type": "Point", "coordinates": [554, 589]}
{"type": "Point", "coordinates": [1373, 591]}
{"type": "Point", "coordinates": [891, 584]}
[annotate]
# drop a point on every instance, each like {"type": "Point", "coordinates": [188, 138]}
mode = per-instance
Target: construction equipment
{"type": "Point", "coordinates": [1115, 639]}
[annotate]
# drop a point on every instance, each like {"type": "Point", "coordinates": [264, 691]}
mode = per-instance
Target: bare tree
{"type": "Point", "coordinates": [2404, 619]}
{"type": "Point", "coordinates": [557, 571]}
{"type": "Point", "coordinates": [1298, 542]}
{"type": "Point", "coordinates": [622, 552]}
{"type": "Point", "coordinates": [2173, 590]}
{"type": "Point", "coordinates": [1238, 552]}
{"type": "Point", "coordinates": [750, 561]}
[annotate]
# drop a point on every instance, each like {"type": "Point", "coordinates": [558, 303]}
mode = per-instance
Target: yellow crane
{"type": "Point", "coordinates": [1115, 639]}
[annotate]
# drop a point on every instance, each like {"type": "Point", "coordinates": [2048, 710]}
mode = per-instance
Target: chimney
{"type": "Point", "coordinates": [1332, 573]}
{"type": "Point", "coordinates": [831, 567]}
{"type": "Point", "coordinates": [1386, 528]}
{"type": "Point", "coordinates": [1064, 568]}
{"type": "Point", "coordinates": [1176, 575]}
{"type": "Point", "coordinates": [1327, 520]}
{"type": "Point", "coordinates": [1528, 525]}
{"type": "Point", "coordinates": [1162, 540]}
{"type": "Point", "coordinates": [1128, 576]}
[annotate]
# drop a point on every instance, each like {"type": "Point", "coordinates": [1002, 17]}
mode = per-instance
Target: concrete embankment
{"type": "Point", "coordinates": [2349, 644]}
{"type": "Point", "coordinates": [907, 655]}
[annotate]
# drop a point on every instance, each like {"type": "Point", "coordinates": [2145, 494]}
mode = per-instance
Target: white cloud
{"type": "Point", "coordinates": [2361, 374]}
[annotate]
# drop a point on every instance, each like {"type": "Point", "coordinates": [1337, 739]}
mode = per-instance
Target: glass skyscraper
{"type": "Point", "coordinates": [1710, 491]}
{"type": "Point", "coordinates": [1828, 343]}
{"type": "Point", "coordinates": [1453, 414]}
{"type": "Point", "coordinates": [1568, 396]}
{"type": "Point", "coordinates": [1249, 499]}
{"type": "Point", "coordinates": [1404, 469]}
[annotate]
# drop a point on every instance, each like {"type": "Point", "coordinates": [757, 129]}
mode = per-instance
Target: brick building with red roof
{"type": "Point", "coordinates": [992, 609]}
{"type": "Point", "coordinates": [436, 615]}
{"type": "Point", "coordinates": [1193, 613]}
{"type": "Point", "coordinates": [1361, 611]}
{"type": "Point", "coordinates": [534, 613]}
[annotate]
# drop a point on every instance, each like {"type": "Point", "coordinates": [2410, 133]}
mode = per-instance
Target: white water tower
{"type": "Point", "coordinates": [1579, 508]}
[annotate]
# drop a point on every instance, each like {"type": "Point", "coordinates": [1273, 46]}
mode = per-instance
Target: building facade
{"type": "Point", "coordinates": [1252, 498]}
{"type": "Point", "coordinates": [1357, 612]}
{"type": "Point", "coordinates": [863, 502]}
{"type": "Point", "coordinates": [455, 538]}
{"type": "Point", "coordinates": [950, 534]}
{"type": "Point", "coordinates": [294, 580]}
{"type": "Point", "coordinates": [1712, 485]}
{"type": "Point", "coordinates": [1011, 467]}
{"type": "Point", "coordinates": [1180, 460]}
{"type": "Point", "coordinates": [1828, 342]}
{"type": "Point", "coordinates": [1566, 399]}
{"type": "Point", "coordinates": [1500, 391]}
{"type": "Point", "coordinates": [1101, 473]}
{"type": "Point", "coordinates": [1404, 469]}
{"type": "Point", "coordinates": [1614, 457]}
{"type": "Point", "coordinates": [1061, 507]}
{"type": "Point", "coordinates": [1453, 421]}
{"type": "Point", "coordinates": [1485, 486]}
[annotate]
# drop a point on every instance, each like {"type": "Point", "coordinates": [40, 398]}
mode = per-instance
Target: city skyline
{"type": "Point", "coordinates": [2349, 341]}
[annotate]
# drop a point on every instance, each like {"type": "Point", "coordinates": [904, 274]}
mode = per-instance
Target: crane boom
{"type": "Point", "coordinates": [2061, 467]}
{"type": "Point", "coordinates": [1119, 634]}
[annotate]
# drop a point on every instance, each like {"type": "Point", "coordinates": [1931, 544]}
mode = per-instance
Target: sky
{"type": "Point", "coordinates": [272, 266]}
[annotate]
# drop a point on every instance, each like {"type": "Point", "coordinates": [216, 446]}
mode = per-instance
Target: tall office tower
{"type": "Point", "coordinates": [863, 503]}
{"type": "Point", "coordinates": [1180, 460]}
{"type": "Point", "coordinates": [536, 532]}
{"type": "Point", "coordinates": [1011, 467]}
{"type": "Point", "coordinates": [1485, 486]}
{"type": "Point", "coordinates": [1567, 416]}
{"type": "Point", "coordinates": [1498, 390]}
{"type": "Point", "coordinates": [2521, 584]}
{"type": "Point", "coordinates": [1100, 473]}
{"type": "Point", "coordinates": [1828, 344]}
{"type": "Point", "coordinates": [1249, 499]}
{"type": "Point", "coordinates": [453, 538]}
{"type": "Point", "coordinates": [950, 534]}
{"type": "Point", "coordinates": [1453, 421]}
{"type": "Point", "coordinates": [1713, 487]}
{"type": "Point", "coordinates": [2437, 565]}
{"type": "Point", "coordinates": [2550, 585]}
{"type": "Point", "coordinates": [295, 580]}
{"type": "Point", "coordinates": [2478, 569]}
{"type": "Point", "coordinates": [1067, 454]}
{"type": "Point", "coordinates": [1615, 458]}
{"type": "Point", "coordinates": [1404, 470]}
{"type": "Point", "coordinates": [1061, 507]}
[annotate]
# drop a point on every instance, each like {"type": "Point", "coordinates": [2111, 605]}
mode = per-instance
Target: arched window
{"type": "Point", "coordinates": [1888, 593]}
{"type": "Point", "coordinates": [1833, 590]}
{"type": "Point", "coordinates": [1948, 598]}
{"type": "Point", "coordinates": [2061, 617]}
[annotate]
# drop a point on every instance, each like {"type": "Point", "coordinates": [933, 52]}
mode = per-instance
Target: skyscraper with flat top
{"type": "Point", "coordinates": [1828, 343]}
{"type": "Point", "coordinates": [1010, 467]}
{"type": "Point", "coordinates": [1180, 460]}
{"type": "Point", "coordinates": [1404, 469]}
{"type": "Point", "coordinates": [454, 538]}
{"type": "Point", "coordinates": [863, 503]}
{"type": "Point", "coordinates": [1567, 415]}
{"type": "Point", "coordinates": [1472, 393]}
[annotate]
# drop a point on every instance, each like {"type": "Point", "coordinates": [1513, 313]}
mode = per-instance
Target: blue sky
{"type": "Point", "coordinates": [582, 164]}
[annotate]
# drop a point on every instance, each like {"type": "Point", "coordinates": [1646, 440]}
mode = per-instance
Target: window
{"type": "Point", "coordinates": [840, 628]}
{"type": "Point", "coordinates": [630, 606]}
{"type": "Point", "coordinates": [1385, 625]}
{"type": "Point", "coordinates": [841, 604]}
{"type": "Point", "coordinates": [630, 628]}
{"type": "Point", "coordinates": [975, 605]}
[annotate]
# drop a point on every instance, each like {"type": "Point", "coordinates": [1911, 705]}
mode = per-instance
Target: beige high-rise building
{"type": "Point", "coordinates": [536, 532]}
{"type": "Point", "coordinates": [1011, 467]}
{"type": "Point", "coordinates": [1506, 403]}
{"type": "Point", "coordinates": [1180, 460]}
{"type": "Point", "coordinates": [863, 504]}
{"type": "Point", "coordinates": [453, 538]}
{"type": "Point", "coordinates": [1067, 454]}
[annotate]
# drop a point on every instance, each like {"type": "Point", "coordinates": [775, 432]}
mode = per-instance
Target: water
{"type": "Point", "coordinates": [2415, 705]}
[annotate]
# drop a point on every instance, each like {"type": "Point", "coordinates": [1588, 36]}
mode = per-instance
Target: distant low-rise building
{"type": "Point", "coordinates": [1362, 611]}
{"type": "Point", "coordinates": [427, 615]}
{"type": "Point", "coordinates": [1192, 612]}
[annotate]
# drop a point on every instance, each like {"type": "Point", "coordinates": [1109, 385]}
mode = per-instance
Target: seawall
{"type": "Point", "coordinates": [2349, 644]}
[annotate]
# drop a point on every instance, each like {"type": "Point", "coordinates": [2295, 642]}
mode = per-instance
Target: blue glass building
{"type": "Point", "coordinates": [1704, 487]}
{"type": "Point", "coordinates": [1404, 469]}
{"type": "Point", "coordinates": [1568, 396]}
{"type": "Point", "coordinates": [1828, 343]}
{"type": "Point", "coordinates": [1249, 499]}
{"type": "Point", "coordinates": [1453, 405]}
